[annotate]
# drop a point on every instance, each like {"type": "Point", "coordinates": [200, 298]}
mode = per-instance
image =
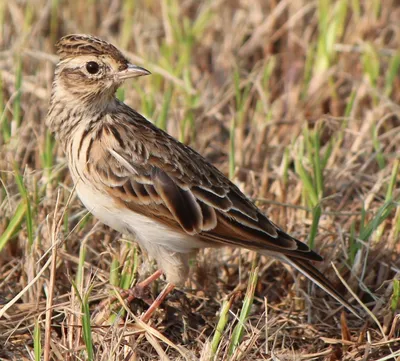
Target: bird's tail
{"type": "Point", "coordinates": [308, 270]}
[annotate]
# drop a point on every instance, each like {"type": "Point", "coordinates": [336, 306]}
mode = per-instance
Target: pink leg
{"type": "Point", "coordinates": [156, 275]}
{"type": "Point", "coordinates": [137, 291]}
{"type": "Point", "coordinates": [157, 302]}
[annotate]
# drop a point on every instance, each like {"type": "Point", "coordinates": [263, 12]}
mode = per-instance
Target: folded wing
{"type": "Point", "coordinates": [153, 174]}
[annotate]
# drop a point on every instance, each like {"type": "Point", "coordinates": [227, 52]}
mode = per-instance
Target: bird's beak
{"type": "Point", "coordinates": [132, 71]}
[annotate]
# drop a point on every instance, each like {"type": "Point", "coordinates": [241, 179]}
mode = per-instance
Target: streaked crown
{"type": "Point", "coordinates": [81, 44]}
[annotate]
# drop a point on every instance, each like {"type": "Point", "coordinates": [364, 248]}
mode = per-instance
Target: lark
{"type": "Point", "coordinates": [140, 181]}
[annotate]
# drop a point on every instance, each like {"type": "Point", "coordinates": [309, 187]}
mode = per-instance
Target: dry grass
{"type": "Point", "coordinates": [296, 100]}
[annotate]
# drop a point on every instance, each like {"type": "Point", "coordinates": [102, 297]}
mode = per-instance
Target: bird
{"type": "Point", "coordinates": [142, 182]}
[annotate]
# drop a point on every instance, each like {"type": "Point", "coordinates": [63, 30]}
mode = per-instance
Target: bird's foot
{"type": "Point", "coordinates": [141, 291]}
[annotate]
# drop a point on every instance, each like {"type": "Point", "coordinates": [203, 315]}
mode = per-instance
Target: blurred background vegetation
{"type": "Point", "coordinates": [296, 101]}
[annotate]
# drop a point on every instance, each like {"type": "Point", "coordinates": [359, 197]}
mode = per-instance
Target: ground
{"type": "Point", "coordinates": [296, 101]}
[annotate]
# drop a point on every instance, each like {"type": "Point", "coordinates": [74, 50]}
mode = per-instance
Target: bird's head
{"type": "Point", "coordinates": [90, 69]}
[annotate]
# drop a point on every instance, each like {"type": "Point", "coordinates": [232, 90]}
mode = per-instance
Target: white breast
{"type": "Point", "coordinates": [148, 231]}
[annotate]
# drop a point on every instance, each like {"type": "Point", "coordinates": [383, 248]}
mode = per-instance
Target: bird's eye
{"type": "Point", "coordinates": [92, 67]}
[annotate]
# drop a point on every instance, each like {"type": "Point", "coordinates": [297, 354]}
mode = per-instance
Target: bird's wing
{"type": "Point", "coordinates": [151, 173]}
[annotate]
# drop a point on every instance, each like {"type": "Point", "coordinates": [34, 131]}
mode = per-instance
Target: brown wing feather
{"type": "Point", "coordinates": [181, 203]}
{"type": "Point", "coordinates": [157, 176]}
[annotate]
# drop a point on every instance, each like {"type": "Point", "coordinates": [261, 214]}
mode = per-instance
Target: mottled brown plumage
{"type": "Point", "coordinates": [141, 181]}
{"type": "Point", "coordinates": [78, 45]}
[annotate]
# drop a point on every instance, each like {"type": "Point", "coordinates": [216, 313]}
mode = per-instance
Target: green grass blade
{"type": "Point", "coordinates": [222, 322]}
{"type": "Point", "coordinates": [314, 227]}
{"type": "Point", "coordinates": [47, 152]}
{"type": "Point", "coordinates": [13, 225]}
{"type": "Point", "coordinates": [395, 295]}
{"type": "Point", "coordinates": [127, 273]}
{"type": "Point", "coordinates": [306, 179]}
{"type": "Point", "coordinates": [37, 342]}
{"type": "Point", "coordinates": [350, 105]}
{"type": "Point", "coordinates": [4, 122]}
{"type": "Point", "coordinates": [28, 215]}
{"type": "Point", "coordinates": [392, 181]}
{"type": "Point", "coordinates": [81, 265]}
{"type": "Point", "coordinates": [392, 73]}
{"type": "Point", "coordinates": [354, 246]}
{"type": "Point", "coordinates": [127, 15]}
{"type": "Point", "coordinates": [238, 332]}
{"type": "Point", "coordinates": [114, 272]}
{"type": "Point", "coordinates": [371, 65]}
{"type": "Point", "coordinates": [319, 180]}
{"type": "Point", "coordinates": [87, 328]}
{"type": "Point", "coordinates": [383, 212]}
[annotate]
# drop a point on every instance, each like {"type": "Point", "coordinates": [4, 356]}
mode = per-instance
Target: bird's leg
{"type": "Point", "coordinates": [157, 302]}
{"type": "Point", "coordinates": [138, 291]}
